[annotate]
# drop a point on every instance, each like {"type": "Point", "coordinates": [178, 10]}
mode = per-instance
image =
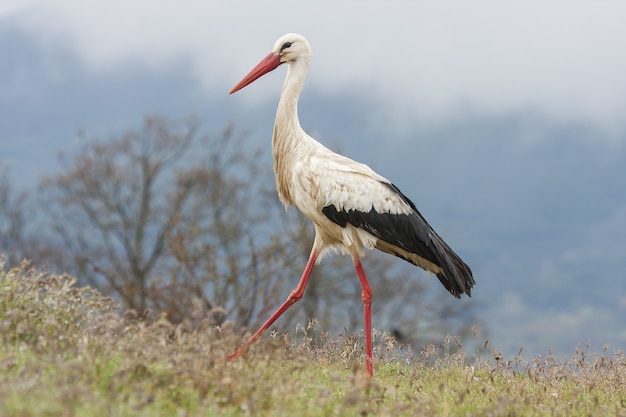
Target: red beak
{"type": "Point", "coordinates": [266, 65]}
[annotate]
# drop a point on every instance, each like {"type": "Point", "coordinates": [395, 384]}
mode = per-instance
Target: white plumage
{"type": "Point", "coordinates": [351, 206]}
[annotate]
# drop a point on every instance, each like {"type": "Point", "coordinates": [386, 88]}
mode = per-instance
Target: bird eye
{"type": "Point", "coordinates": [285, 46]}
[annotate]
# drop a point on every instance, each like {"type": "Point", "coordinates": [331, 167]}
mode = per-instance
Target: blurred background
{"type": "Point", "coordinates": [124, 161]}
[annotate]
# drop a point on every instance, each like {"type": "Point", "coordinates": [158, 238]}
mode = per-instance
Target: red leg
{"type": "Point", "coordinates": [295, 295]}
{"type": "Point", "coordinates": [366, 296]}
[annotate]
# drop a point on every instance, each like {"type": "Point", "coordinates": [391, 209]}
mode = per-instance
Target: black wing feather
{"type": "Point", "coordinates": [410, 233]}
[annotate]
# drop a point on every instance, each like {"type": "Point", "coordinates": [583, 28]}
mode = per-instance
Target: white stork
{"type": "Point", "coordinates": [350, 205]}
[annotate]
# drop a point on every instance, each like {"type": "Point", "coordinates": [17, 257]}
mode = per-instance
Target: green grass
{"type": "Point", "coordinates": [65, 352]}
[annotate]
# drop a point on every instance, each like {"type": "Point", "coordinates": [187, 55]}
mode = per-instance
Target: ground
{"type": "Point", "coordinates": [68, 351]}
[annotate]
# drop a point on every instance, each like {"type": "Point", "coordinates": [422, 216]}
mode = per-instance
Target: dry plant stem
{"type": "Point", "coordinates": [295, 295]}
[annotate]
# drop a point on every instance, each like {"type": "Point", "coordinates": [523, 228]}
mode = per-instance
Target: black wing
{"type": "Point", "coordinates": [410, 237]}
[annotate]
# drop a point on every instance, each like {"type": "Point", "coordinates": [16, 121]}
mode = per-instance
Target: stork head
{"type": "Point", "coordinates": [288, 48]}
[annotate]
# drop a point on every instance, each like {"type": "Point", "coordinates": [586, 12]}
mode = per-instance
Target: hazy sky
{"type": "Point", "coordinates": [425, 61]}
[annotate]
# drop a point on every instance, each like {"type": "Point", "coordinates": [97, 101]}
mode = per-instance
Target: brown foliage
{"type": "Point", "coordinates": [144, 217]}
{"type": "Point", "coordinates": [168, 220]}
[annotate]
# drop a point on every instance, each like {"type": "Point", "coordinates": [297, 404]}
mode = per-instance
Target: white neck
{"type": "Point", "coordinates": [287, 112]}
{"type": "Point", "coordinates": [287, 131]}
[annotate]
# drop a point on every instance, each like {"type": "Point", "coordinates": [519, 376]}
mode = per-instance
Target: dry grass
{"type": "Point", "coordinates": [65, 352]}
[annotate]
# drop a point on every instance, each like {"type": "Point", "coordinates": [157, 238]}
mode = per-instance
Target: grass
{"type": "Point", "coordinates": [66, 352]}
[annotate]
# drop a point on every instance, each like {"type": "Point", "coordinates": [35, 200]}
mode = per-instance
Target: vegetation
{"type": "Point", "coordinates": [64, 351]}
{"type": "Point", "coordinates": [166, 218]}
